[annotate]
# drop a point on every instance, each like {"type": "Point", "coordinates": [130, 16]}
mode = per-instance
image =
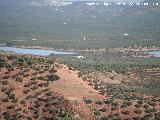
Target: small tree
{"type": "Point", "coordinates": [125, 112]}
{"type": "Point", "coordinates": [88, 101]}
{"type": "Point", "coordinates": [53, 77]}
{"type": "Point", "coordinates": [98, 102]}
{"type": "Point", "coordinates": [138, 111]}
{"type": "Point", "coordinates": [158, 116]}
{"type": "Point", "coordinates": [1, 64]}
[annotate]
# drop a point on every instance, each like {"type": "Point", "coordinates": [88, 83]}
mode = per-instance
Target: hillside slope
{"type": "Point", "coordinates": [34, 88]}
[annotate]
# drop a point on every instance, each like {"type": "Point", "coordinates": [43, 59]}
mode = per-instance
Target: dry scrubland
{"type": "Point", "coordinates": [25, 89]}
{"type": "Point", "coordinates": [35, 87]}
{"type": "Point", "coordinates": [39, 88]}
{"type": "Point", "coordinates": [116, 79]}
{"type": "Point", "coordinates": [128, 78]}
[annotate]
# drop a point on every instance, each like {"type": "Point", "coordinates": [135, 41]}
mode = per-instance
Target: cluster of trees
{"type": "Point", "coordinates": [37, 95]}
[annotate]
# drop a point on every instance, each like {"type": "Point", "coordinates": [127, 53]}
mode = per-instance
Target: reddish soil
{"type": "Point", "coordinates": [72, 87]}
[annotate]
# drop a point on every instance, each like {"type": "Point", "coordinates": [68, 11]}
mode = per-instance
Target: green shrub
{"type": "Point", "coordinates": [125, 112]}
{"type": "Point", "coordinates": [124, 105]}
{"type": "Point", "coordinates": [15, 100]}
{"type": "Point", "coordinates": [23, 102]}
{"type": "Point", "coordinates": [11, 96]}
{"type": "Point", "coordinates": [158, 116]}
{"type": "Point", "coordinates": [26, 91]}
{"type": "Point", "coordinates": [146, 106]}
{"type": "Point", "coordinates": [114, 104]}
{"type": "Point", "coordinates": [104, 118]}
{"type": "Point", "coordinates": [53, 77]}
{"type": "Point", "coordinates": [103, 110]}
{"type": "Point", "coordinates": [107, 101]}
{"type": "Point", "coordinates": [11, 107]}
{"type": "Point", "coordinates": [152, 104]}
{"type": "Point", "coordinates": [1, 65]}
{"type": "Point", "coordinates": [150, 110]}
{"type": "Point", "coordinates": [98, 102]}
{"type": "Point", "coordinates": [137, 118]}
{"type": "Point", "coordinates": [97, 113]}
{"type": "Point", "coordinates": [138, 105]}
{"type": "Point", "coordinates": [4, 82]}
{"type": "Point", "coordinates": [88, 101]}
{"type": "Point", "coordinates": [114, 108]}
{"type": "Point", "coordinates": [46, 84]}
{"type": "Point", "coordinates": [49, 93]}
{"type": "Point", "coordinates": [9, 66]}
{"type": "Point", "coordinates": [138, 111]}
{"type": "Point", "coordinates": [52, 70]}
{"type": "Point", "coordinates": [20, 60]}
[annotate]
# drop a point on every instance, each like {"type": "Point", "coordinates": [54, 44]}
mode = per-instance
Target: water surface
{"type": "Point", "coordinates": [155, 53]}
{"type": "Point", "coordinates": [41, 52]}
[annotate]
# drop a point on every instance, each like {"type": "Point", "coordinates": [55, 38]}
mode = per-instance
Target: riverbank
{"type": "Point", "coordinates": [34, 51]}
{"type": "Point", "coordinates": [134, 52]}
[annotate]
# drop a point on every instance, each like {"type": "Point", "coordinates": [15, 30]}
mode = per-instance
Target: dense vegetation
{"type": "Point", "coordinates": [136, 96]}
{"type": "Point", "coordinates": [108, 63]}
{"type": "Point", "coordinates": [148, 80]}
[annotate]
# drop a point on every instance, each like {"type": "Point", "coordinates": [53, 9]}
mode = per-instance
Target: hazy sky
{"type": "Point", "coordinates": [112, 0]}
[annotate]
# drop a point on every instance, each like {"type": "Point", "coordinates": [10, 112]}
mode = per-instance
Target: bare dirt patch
{"type": "Point", "coordinates": [72, 87]}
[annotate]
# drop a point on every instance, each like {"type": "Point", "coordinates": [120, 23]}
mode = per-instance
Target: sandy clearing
{"type": "Point", "coordinates": [72, 87]}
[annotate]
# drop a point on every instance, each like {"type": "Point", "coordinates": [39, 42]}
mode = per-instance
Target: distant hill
{"type": "Point", "coordinates": [151, 1]}
{"type": "Point", "coordinates": [50, 21]}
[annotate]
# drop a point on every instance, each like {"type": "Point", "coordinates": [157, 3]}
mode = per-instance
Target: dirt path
{"type": "Point", "coordinates": [72, 87]}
